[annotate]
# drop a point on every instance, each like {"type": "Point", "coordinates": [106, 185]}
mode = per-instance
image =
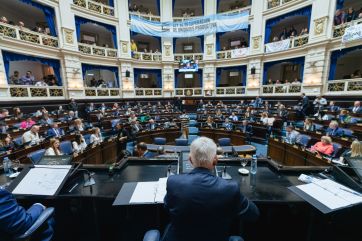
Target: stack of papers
{"type": "Point", "coordinates": [331, 194]}
{"type": "Point", "coordinates": [149, 192]}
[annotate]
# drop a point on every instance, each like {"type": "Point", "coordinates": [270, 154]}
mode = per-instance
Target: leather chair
{"type": "Point", "coordinates": [35, 156]}
{"type": "Point", "coordinates": [42, 219]}
{"type": "Point", "coordinates": [193, 130]}
{"type": "Point", "coordinates": [154, 235]}
{"type": "Point", "coordinates": [224, 141]}
{"type": "Point", "coordinates": [159, 140]}
{"type": "Point", "coordinates": [192, 138]}
{"type": "Point", "coordinates": [66, 147]}
{"type": "Point", "coordinates": [87, 138]}
{"type": "Point", "coordinates": [192, 122]}
{"type": "Point", "coordinates": [18, 140]}
{"type": "Point", "coordinates": [318, 127]}
{"type": "Point", "coordinates": [336, 149]}
{"type": "Point", "coordinates": [303, 140]}
{"type": "Point", "coordinates": [181, 142]}
{"type": "Point", "coordinates": [347, 132]}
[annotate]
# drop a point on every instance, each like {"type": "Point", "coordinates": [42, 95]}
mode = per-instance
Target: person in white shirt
{"type": "Point", "coordinates": [96, 137]}
{"type": "Point", "coordinates": [266, 120]}
{"type": "Point", "coordinates": [79, 144]}
{"type": "Point", "coordinates": [53, 150]}
{"type": "Point", "coordinates": [32, 135]}
{"type": "Point", "coordinates": [233, 117]}
{"type": "Point", "coordinates": [291, 135]}
{"type": "Point", "coordinates": [357, 109]}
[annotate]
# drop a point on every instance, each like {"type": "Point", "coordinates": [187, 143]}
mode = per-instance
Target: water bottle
{"type": "Point", "coordinates": [253, 165]}
{"type": "Point", "coordinates": [7, 166]}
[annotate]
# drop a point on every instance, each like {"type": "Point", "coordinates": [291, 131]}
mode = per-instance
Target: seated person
{"type": "Point", "coordinates": [334, 130]}
{"type": "Point", "coordinates": [7, 144]}
{"type": "Point", "coordinates": [151, 125]}
{"type": "Point", "coordinates": [70, 116]}
{"type": "Point", "coordinates": [32, 135]}
{"type": "Point", "coordinates": [27, 123]}
{"type": "Point", "coordinates": [324, 146]}
{"type": "Point", "coordinates": [344, 117]}
{"type": "Point", "coordinates": [204, 115]}
{"type": "Point", "coordinates": [132, 117]}
{"type": "Point", "coordinates": [354, 153]}
{"type": "Point", "coordinates": [135, 127]}
{"type": "Point", "coordinates": [79, 144]}
{"type": "Point", "coordinates": [3, 127]}
{"type": "Point", "coordinates": [291, 135]}
{"type": "Point", "coordinates": [46, 120]}
{"type": "Point", "coordinates": [53, 149]}
{"type": "Point", "coordinates": [77, 125]}
{"type": "Point", "coordinates": [209, 123]}
{"type": "Point", "coordinates": [357, 109]}
{"type": "Point", "coordinates": [308, 125]}
{"type": "Point", "coordinates": [233, 117]}
{"type": "Point", "coordinates": [201, 203]}
{"type": "Point", "coordinates": [283, 113]}
{"type": "Point", "coordinates": [227, 125]}
{"type": "Point", "coordinates": [246, 127]}
{"type": "Point", "coordinates": [17, 113]}
{"type": "Point", "coordinates": [15, 220]}
{"type": "Point", "coordinates": [143, 152]}
{"type": "Point", "coordinates": [90, 108]}
{"type": "Point", "coordinates": [170, 124]}
{"type": "Point", "coordinates": [266, 120]}
{"type": "Point", "coordinates": [55, 131]}
{"type": "Point", "coordinates": [96, 138]}
{"type": "Point", "coordinates": [4, 113]}
{"type": "Point", "coordinates": [219, 115]}
{"type": "Point", "coordinates": [332, 107]}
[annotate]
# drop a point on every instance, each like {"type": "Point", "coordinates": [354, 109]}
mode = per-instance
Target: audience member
{"type": "Point", "coordinates": [355, 153]}
{"type": "Point", "coordinates": [53, 150]}
{"type": "Point", "coordinates": [143, 152]}
{"type": "Point", "coordinates": [291, 135]}
{"type": "Point", "coordinates": [96, 138]}
{"type": "Point", "coordinates": [334, 130]}
{"type": "Point", "coordinates": [27, 79]}
{"type": "Point", "coordinates": [55, 131]}
{"type": "Point", "coordinates": [323, 147]}
{"type": "Point", "coordinates": [308, 125]}
{"type": "Point", "coordinates": [357, 109]}
{"type": "Point", "coordinates": [79, 144]}
{"type": "Point", "coordinates": [27, 123]}
{"type": "Point", "coordinates": [32, 136]}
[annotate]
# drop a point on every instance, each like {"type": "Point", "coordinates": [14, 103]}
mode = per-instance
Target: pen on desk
{"type": "Point", "coordinates": [350, 191]}
{"type": "Point", "coordinates": [75, 185]}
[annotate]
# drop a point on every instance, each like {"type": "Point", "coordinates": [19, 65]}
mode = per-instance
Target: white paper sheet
{"type": "Point", "coordinates": [144, 192]}
{"type": "Point", "coordinates": [161, 190]}
{"type": "Point", "coordinates": [42, 180]}
{"type": "Point", "coordinates": [331, 194]}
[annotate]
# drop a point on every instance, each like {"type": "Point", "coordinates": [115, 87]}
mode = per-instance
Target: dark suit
{"type": "Point", "coordinates": [53, 132]}
{"type": "Point", "coordinates": [202, 207]}
{"type": "Point", "coordinates": [335, 132]}
{"type": "Point", "coordinates": [248, 129]}
{"type": "Point", "coordinates": [150, 126]}
{"type": "Point", "coordinates": [149, 154]}
{"type": "Point", "coordinates": [305, 105]}
{"type": "Point", "coordinates": [15, 220]}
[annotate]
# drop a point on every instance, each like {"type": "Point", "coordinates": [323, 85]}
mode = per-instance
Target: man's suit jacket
{"type": "Point", "coordinates": [202, 207]}
{"type": "Point", "coordinates": [51, 132]}
{"type": "Point", "coordinates": [248, 129]}
{"type": "Point", "coordinates": [334, 132]}
{"type": "Point", "coordinates": [357, 110]}
{"type": "Point", "coordinates": [14, 219]}
{"type": "Point", "coordinates": [305, 103]}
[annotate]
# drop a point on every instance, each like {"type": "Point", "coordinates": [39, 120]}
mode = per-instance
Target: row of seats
{"type": "Point", "coordinates": [186, 142]}
{"type": "Point", "coordinates": [319, 127]}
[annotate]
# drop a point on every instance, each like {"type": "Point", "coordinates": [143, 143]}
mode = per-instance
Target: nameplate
{"type": "Point", "coordinates": [318, 132]}
{"type": "Point", "coordinates": [275, 139]}
{"type": "Point", "coordinates": [344, 138]}
{"type": "Point", "coordinates": [16, 130]}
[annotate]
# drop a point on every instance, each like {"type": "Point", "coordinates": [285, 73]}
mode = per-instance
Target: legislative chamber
{"type": "Point", "coordinates": [160, 120]}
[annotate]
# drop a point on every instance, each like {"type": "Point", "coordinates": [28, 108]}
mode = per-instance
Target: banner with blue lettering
{"type": "Point", "coordinates": [192, 27]}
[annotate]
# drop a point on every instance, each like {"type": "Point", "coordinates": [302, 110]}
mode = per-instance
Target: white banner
{"type": "Point", "coordinates": [236, 53]}
{"type": "Point", "coordinates": [352, 33]}
{"type": "Point", "coordinates": [277, 46]}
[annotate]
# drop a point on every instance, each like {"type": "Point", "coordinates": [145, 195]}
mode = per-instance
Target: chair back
{"type": "Point", "coordinates": [66, 147]}
{"type": "Point", "coordinates": [303, 140]}
{"type": "Point", "coordinates": [347, 132]}
{"type": "Point", "coordinates": [87, 138]}
{"type": "Point", "coordinates": [181, 142]}
{"type": "Point", "coordinates": [192, 138]}
{"type": "Point", "coordinates": [192, 122]}
{"type": "Point", "coordinates": [318, 127]}
{"type": "Point", "coordinates": [35, 156]}
{"type": "Point", "coordinates": [159, 141]}
{"type": "Point", "coordinates": [224, 141]}
{"type": "Point", "coordinates": [193, 130]}
{"type": "Point", "coordinates": [336, 149]}
{"type": "Point", "coordinates": [18, 140]}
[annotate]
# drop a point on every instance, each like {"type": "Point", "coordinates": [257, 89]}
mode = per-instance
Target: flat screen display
{"type": "Point", "coordinates": [188, 66]}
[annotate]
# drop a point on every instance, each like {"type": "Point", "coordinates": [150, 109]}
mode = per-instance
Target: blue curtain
{"type": "Point", "coordinates": [10, 57]}
{"type": "Point", "coordinates": [173, 7]}
{"type": "Point", "coordinates": [334, 59]}
{"type": "Point", "coordinates": [297, 61]}
{"type": "Point", "coordinates": [306, 11]}
{"type": "Point", "coordinates": [174, 45]}
{"type": "Point", "coordinates": [49, 15]}
{"type": "Point", "coordinates": [203, 6]}
{"type": "Point", "coordinates": [199, 74]}
{"type": "Point", "coordinates": [217, 5]}
{"type": "Point", "coordinates": [86, 67]}
{"type": "Point", "coordinates": [217, 45]}
{"type": "Point", "coordinates": [111, 3]}
{"type": "Point", "coordinates": [176, 78]}
{"type": "Point", "coordinates": [79, 21]}
{"type": "Point", "coordinates": [158, 2]}
{"type": "Point", "coordinates": [157, 73]}
{"type": "Point", "coordinates": [202, 43]}
{"type": "Point", "coordinates": [241, 69]}
{"type": "Point", "coordinates": [340, 4]}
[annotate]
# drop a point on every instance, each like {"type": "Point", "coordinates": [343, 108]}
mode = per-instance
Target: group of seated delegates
{"type": "Point", "coordinates": [29, 79]}
{"type": "Point", "coordinates": [139, 9]}
{"type": "Point", "coordinates": [286, 81]}
{"type": "Point", "coordinates": [355, 75]}
{"type": "Point", "coordinates": [292, 32]}
{"type": "Point", "coordinates": [187, 13]}
{"type": "Point", "coordinates": [344, 16]}
{"type": "Point", "coordinates": [21, 26]}
{"type": "Point", "coordinates": [320, 105]}
{"type": "Point", "coordinates": [234, 6]}
{"type": "Point", "coordinates": [243, 44]}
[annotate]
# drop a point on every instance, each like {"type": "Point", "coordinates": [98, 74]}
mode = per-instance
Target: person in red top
{"type": "Point", "coordinates": [324, 146]}
{"type": "Point", "coordinates": [27, 123]}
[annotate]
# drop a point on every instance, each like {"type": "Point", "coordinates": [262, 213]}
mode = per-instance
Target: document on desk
{"type": "Point", "coordinates": [149, 192]}
{"type": "Point", "coordinates": [331, 194]}
{"type": "Point", "coordinates": [42, 180]}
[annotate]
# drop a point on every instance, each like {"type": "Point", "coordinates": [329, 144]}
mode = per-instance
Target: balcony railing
{"type": "Point", "coordinates": [294, 42]}
{"type": "Point", "coordinates": [95, 7]}
{"type": "Point", "coordinates": [179, 19]}
{"type": "Point", "coordinates": [196, 56]}
{"type": "Point", "coordinates": [96, 50]}
{"type": "Point", "coordinates": [236, 90]}
{"type": "Point", "coordinates": [282, 89]}
{"type": "Point", "coordinates": [148, 92]}
{"type": "Point", "coordinates": [277, 3]}
{"type": "Point", "coordinates": [101, 92]}
{"type": "Point", "coordinates": [347, 85]}
{"type": "Point", "coordinates": [236, 11]}
{"type": "Point", "coordinates": [188, 91]}
{"type": "Point", "coordinates": [149, 17]}
{"type": "Point", "coordinates": [28, 91]}
{"type": "Point", "coordinates": [26, 35]}
{"type": "Point", "coordinates": [147, 56]}
{"type": "Point", "coordinates": [338, 31]}
{"type": "Point", "coordinates": [234, 53]}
